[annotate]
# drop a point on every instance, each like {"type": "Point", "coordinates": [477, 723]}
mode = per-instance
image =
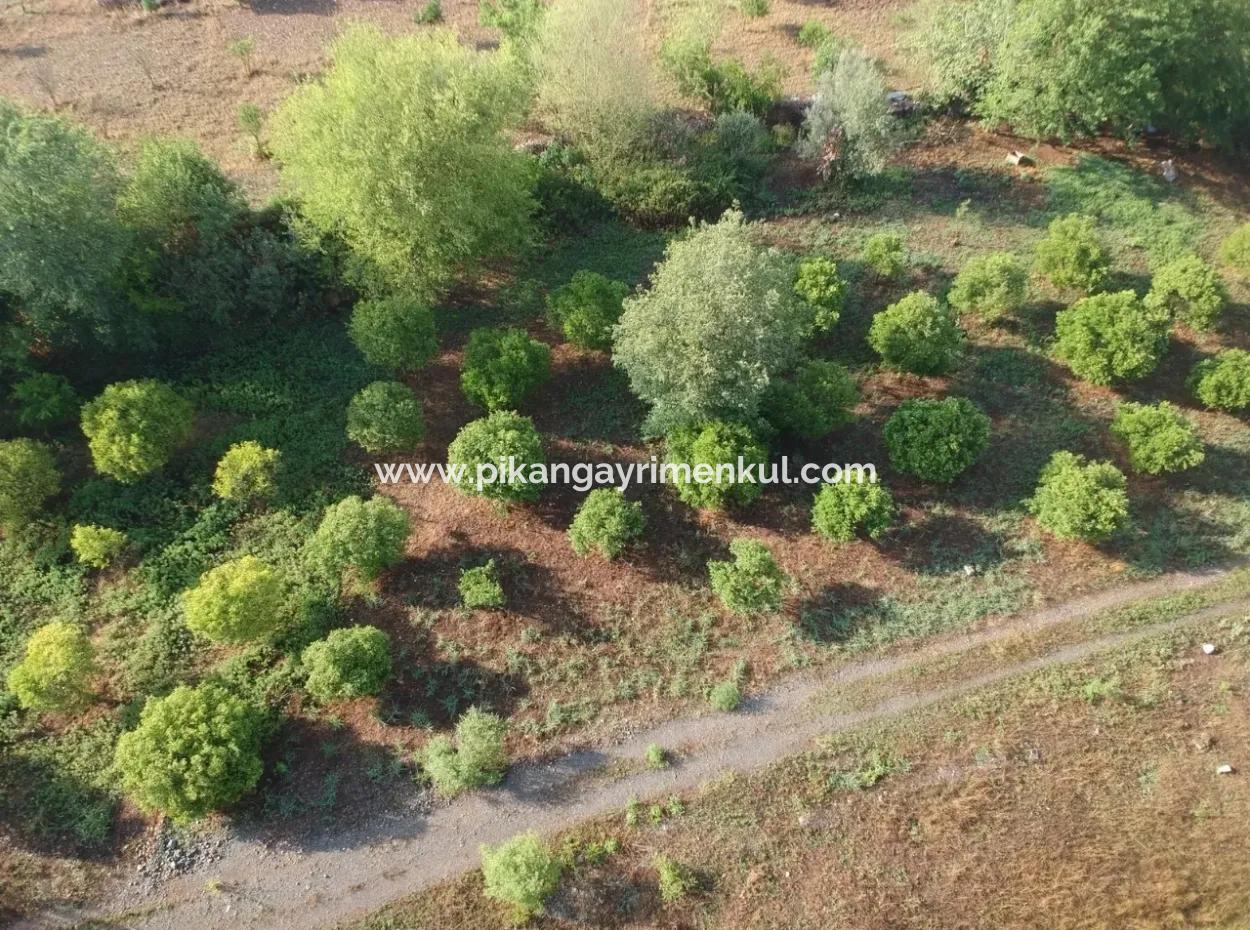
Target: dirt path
{"type": "Point", "coordinates": [355, 868]}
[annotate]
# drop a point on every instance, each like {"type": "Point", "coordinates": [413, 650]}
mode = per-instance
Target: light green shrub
{"type": "Point", "coordinates": [477, 757]}
{"type": "Point", "coordinates": [134, 427]}
{"type": "Point", "coordinates": [751, 582]}
{"type": "Point", "coordinates": [96, 546]}
{"type": "Point", "coordinates": [917, 334]}
{"type": "Point", "coordinates": [1188, 290]}
{"type": "Point", "coordinates": [45, 400]}
{"type": "Point", "coordinates": [55, 666]}
{"type": "Point", "coordinates": [606, 522]}
{"type": "Point", "coordinates": [1235, 250]}
{"type": "Point", "coordinates": [814, 402]}
{"type": "Point", "coordinates": [350, 662]}
{"type": "Point", "coordinates": [1079, 499]}
{"type": "Point", "coordinates": [248, 471]}
{"type": "Point", "coordinates": [823, 289]}
{"type": "Point", "coordinates": [705, 448]}
{"type": "Point", "coordinates": [936, 440]}
{"type": "Point", "coordinates": [1072, 255]}
{"type": "Point", "coordinates": [991, 286]}
{"type": "Point", "coordinates": [885, 254]}
{"type": "Point", "coordinates": [1223, 382]}
{"type": "Point", "coordinates": [1110, 337]}
{"type": "Point", "coordinates": [396, 333]}
{"type": "Point", "coordinates": [1159, 438]}
{"type": "Point", "coordinates": [490, 440]}
{"type": "Point", "coordinates": [365, 536]}
{"type": "Point", "coordinates": [480, 587]}
{"type": "Point", "coordinates": [844, 509]}
{"type": "Point", "coordinates": [675, 880]}
{"type": "Point", "coordinates": [502, 367]}
{"type": "Point", "coordinates": [385, 416]}
{"type": "Point", "coordinates": [521, 872]}
{"type": "Point", "coordinates": [235, 602]}
{"type": "Point", "coordinates": [586, 309]}
{"type": "Point", "coordinates": [28, 477]}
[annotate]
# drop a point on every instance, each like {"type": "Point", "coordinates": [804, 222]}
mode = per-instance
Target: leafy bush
{"type": "Point", "coordinates": [1072, 255]}
{"type": "Point", "coordinates": [1223, 382]}
{"type": "Point", "coordinates": [1159, 438]}
{"type": "Point", "coordinates": [958, 42]}
{"type": "Point", "coordinates": [813, 33]}
{"type": "Point", "coordinates": [53, 672]}
{"type": "Point", "coordinates": [366, 536]}
{"type": "Point", "coordinates": [395, 333]}
{"type": "Point", "coordinates": [885, 254]}
{"type": "Point", "coordinates": [1110, 337]}
{"type": "Point", "coordinates": [483, 444]}
{"type": "Point", "coordinates": [194, 751]}
{"type": "Point", "coordinates": [96, 546]}
{"type": "Point", "coordinates": [751, 582]}
{"type": "Point", "coordinates": [1235, 250]}
{"type": "Point", "coordinates": [606, 522]}
{"type": "Point", "coordinates": [45, 400]}
{"type": "Point", "coordinates": [586, 309]}
{"type": "Point", "coordinates": [477, 757]}
{"type": "Point", "coordinates": [518, 20]}
{"type": "Point", "coordinates": [814, 403]}
{"type": "Point", "coordinates": [247, 472]}
{"type": "Point", "coordinates": [28, 477]}
{"type": "Point", "coordinates": [754, 9]}
{"type": "Point", "coordinates": [722, 86]}
{"type": "Point", "coordinates": [429, 14]}
{"type": "Point", "coordinates": [385, 416]}
{"type": "Point", "coordinates": [1078, 499]}
{"type": "Point", "coordinates": [350, 662]}
{"type": "Point", "coordinates": [521, 872]}
{"type": "Point", "coordinates": [133, 428]}
{"type": "Point", "coordinates": [725, 696]}
{"type": "Point", "coordinates": [936, 440]}
{"type": "Point", "coordinates": [990, 286]}
{"type": "Point", "coordinates": [480, 588]}
{"type": "Point", "coordinates": [235, 602]}
{"type": "Point", "coordinates": [845, 508]}
{"type": "Point", "coordinates": [917, 334]}
{"type": "Point", "coordinates": [718, 323]}
{"type": "Point", "coordinates": [848, 126]}
{"type": "Point", "coordinates": [712, 452]}
{"type": "Point", "coordinates": [823, 289]}
{"type": "Point", "coordinates": [675, 880]}
{"type": "Point", "coordinates": [1188, 290]}
{"type": "Point", "coordinates": [502, 366]}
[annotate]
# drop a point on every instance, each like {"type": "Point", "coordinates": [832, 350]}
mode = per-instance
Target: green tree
{"type": "Point", "coordinates": [45, 400]}
{"type": "Point", "coordinates": [1079, 499]}
{"type": "Point", "coordinates": [28, 477]}
{"type": "Point", "coordinates": [1188, 290]}
{"type": "Point", "coordinates": [248, 471]}
{"type": "Point", "coordinates": [194, 751]}
{"type": "Point", "coordinates": [134, 427]}
{"type": "Point", "coordinates": [401, 150]}
{"type": "Point", "coordinates": [990, 286]}
{"type": "Point", "coordinates": [477, 757]}
{"type": "Point", "coordinates": [238, 601]}
{"type": "Point", "coordinates": [936, 440]}
{"type": "Point", "coordinates": [815, 402]}
{"type": "Point", "coordinates": [606, 522]}
{"type": "Point", "coordinates": [521, 872]}
{"type": "Point", "coordinates": [844, 509]}
{"type": "Point", "coordinates": [1072, 255]}
{"type": "Point", "coordinates": [1111, 337]}
{"type": "Point", "coordinates": [96, 546]}
{"type": "Point", "coordinates": [1223, 382]}
{"type": "Point", "coordinates": [751, 581]}
{"type": "Point", "coordinates": [53, 672]}
{"type": "Point", "coordinates": [917, 334]}
{"type": "Point", "coordinates": [365, 536]}
{"type": "Point", "coordinates": [385, 416]}
{"type": "Point", "coordinates": [586, 309]}
{"type": "Point", "coordinates": [957, 43]}
{"type": "Point", "coordinates": [503, 366]}
{"type": "Point", "coordinates": [1159, 438]}
{"type": "Point", "coordinates": [712, 451]}
{"type": "Point", "coordinates": [394, 332]}
{"type": "Point", "coordinates": [350, 662]}
{"type": "Point", "coordinates": [485, 443]}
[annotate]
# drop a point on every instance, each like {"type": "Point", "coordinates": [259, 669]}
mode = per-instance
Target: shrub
{"type": "Point", "coordinates": [917, 334]}
{"type": "Point", "coordinates": [657, 758]}
{"type": "Point", "coordinates": [477, 757]}
{"type": "Point", "coordinates": [480, 588]}
{"type": "Point", "coordinates": [606, 522]}
{"type": "Point", "coordinates": [502, 366]}
{"type": "Point", "coordinates": [53, 672]}
{"type": "Point", "coordinates": [712, 452]}
{"type": "Point", "coordinates": [400, 149]}
{"type": "Point", "coordinates": [1159, 438]}
{"type": "Point", "coordinates": [814, 403]}
{"type": "Point", "coordinates": [1188, 290]}
{"type": "Point", "coordinates": [751, 582]}
{"type": "Point", "coordinates": [586, 309]}
{"type": "Point", "coordinates": [754, 9]}
{"type": "Point", "coordinates": [429, 14]}
{"type": "Point", "coordinates": [194, 751]}
{"type": "Point", "coordinates": [1235, 250]}
{"type": "Point", "coordinates": [518, 20]}
{"type": "Point", "coordinates": [28, 477]}
{"type": "Point", "coordinates": [722, 86]}
{"type": "Point", "coordinates": [823, 289]}
{"type": "Point", "coordinates": [675, 880]}
{"type": "Point", "coordinates": [45, 400]}
{"type": "Point", "coordinates": [133, 428]}
{"type": "Point", "coordinates": [885, 254]}
{"type": "Point", "coordinates": [718, 323]}
{"type": "Point", "coordinates": [936, 440]}
{"type": "Point", "coordinates": [247, 472]}
{"type": "Point", "coordinates": [1072, 255]}
{"type": "Point", "coordinates": [385, 416]}
{"type": "Point", "coordinates": [990, 286]}
{"type": "Point", "coordinates": [395, 333]}
{"type": "Point", "coordinates": [848, 126]}
{"type": "Point", "coordinates": [1078, 499]}
{"type": "Point", "coordinates": [813, 33]}
{"type": "Point", "coordinates": [366, 536]}
{"type": "Point", "coordinates": [1223, 382]}
{"type": "Point", "coordinates": [958, 42]}
{"type": "Point", "coordinates": [96, 546]}
{"type": "Point", "coordinates": [1110, 337]}
{"type": "Point", "coordinates": [483, 444]}
{"type": "Point", "coordinates": [725, 696]}
{"type": "Point", "coordinates": [520, 872]}
{"type": "Point", "coordinates": [235, 602]}
{"type": "Point", "coordinates": [844, 509]}
{"type": "Point", "coordinates": [350, 662]}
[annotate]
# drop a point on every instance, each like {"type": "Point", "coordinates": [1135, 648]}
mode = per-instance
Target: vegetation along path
{"type": "Point", "coordinates": [356, 867]}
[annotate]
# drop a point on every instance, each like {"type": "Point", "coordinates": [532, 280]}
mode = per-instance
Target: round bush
{"type": "Point", "coordinates": [520, 872]}
{"type": "Point", "coordinates": [365, 536]}
{"type": "Point", "coordinates": [1159, 438]}
{"type": "Point", "coordinates": [606, 522]}
{"type": "Point", "coordinates": [814, 403]}
{"type": "Point", "coordinates": [1190, 291]}
{"type": "Point", "coordinates": [28, 477]}
{"type": "Point", "coordinates": [847, 508]}
{"type": "Point", "coordinates": [990, 286]}
{"type": "Point", "coordinates": [349, 663]}
{"type": "Point", "coordinates": [936, 440]}
{"type": "Point", "coordinates": [819, 285]}
{"type": "Point", "coordinates": [133, 428]}
{"type": "Point", "coordinates": [480, 587]}
{"type": "Point", "coordinates": [396, 333]}
{"type": "Point", "coordinates": [248, 471]}
{"type": "Point", "coordinates": [96, 546]}
{"type": "Point", "coordinates": [1110, 337]}
{"type": "Point", "coordinates": [477, 757]}
{"type": "Point", "coordinates": [704, 449]}
{"type": "Point", "coordinates": [1072, 255]}
{"type": "Point", "coordinates": [751, 582]}
{"type": "Point", "coordinates": [1235, 250]}
{"type": "Point", "coordinates": [385, 416]}
{"type": "Point", "coordinates": [502, 366]}
{"type": "Point", "coordinates": [53, 672]}
{"type": "Point", "coordinates": [235, 602]}
{"type": "Point", "coordinates": [916, 334]}
{"type": "Point", "coordinates": [586, 309]}
{"type": "Point", "coordinates": [482, 445]}
{"type": "Point", "coordinates": [1078, 499]}
{"type": "Point", "coordinates": [1223, 382]}
{"type": "Point", "coordinates": [194, 751]}
{"type": "Point", "coordinates": [45, 400]}
{"type": "Point", "coordinates": [886, 254]}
